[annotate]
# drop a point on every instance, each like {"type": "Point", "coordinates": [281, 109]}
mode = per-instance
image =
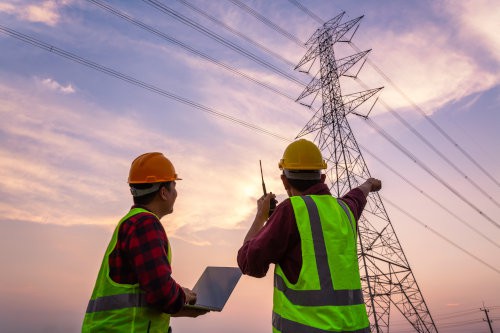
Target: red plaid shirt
{"type": "Point", "coordinates": [140, 256]}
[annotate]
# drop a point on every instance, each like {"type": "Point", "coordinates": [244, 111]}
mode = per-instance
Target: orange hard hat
{"type": "Point", "coordinates": [151, 168]}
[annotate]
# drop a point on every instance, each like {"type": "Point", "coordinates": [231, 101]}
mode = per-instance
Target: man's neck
{"type": "Point", "coordinates": [153, 208]}
{"type": "Point", "coordinates": [295, 192]}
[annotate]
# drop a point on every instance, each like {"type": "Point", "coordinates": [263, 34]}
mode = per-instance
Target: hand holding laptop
{"type": "Point", "coordinates": [188, 311]}
{"type": "Point", "coordinates": [190, 295]}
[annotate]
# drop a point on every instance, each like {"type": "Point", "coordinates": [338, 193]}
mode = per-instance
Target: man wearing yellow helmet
{"type": "Point", "coordinates": [135, 291]}
{"type": "Point", "coordinates": [312, 240]}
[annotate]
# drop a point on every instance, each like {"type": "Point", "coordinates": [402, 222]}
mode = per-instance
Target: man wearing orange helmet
{"type": "Point", "coordinates": [312, 240]}
{"type": "Point", "coordinates": [135, 291]}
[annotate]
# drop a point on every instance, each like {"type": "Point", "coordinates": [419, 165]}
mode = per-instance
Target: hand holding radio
{"type": "Point", "coordinates": [271, 197]}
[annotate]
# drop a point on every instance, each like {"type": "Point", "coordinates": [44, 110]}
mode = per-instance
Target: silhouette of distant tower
{"type": "Point", "coordinates": [385, 273]}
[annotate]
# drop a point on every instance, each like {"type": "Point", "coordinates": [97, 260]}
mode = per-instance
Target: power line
{"type": "Point", "coordinates": [186, 47]}
{"type": "Point", "coordinates": [461, 312]}
{"type": "Point", "coordinates": [428, 196]}
{"type": "Point", "coordinates": [172, 13]}
{"type": "Point", "coordinates": [307, 11]}
{"type": "Point", "coordinates": [461, 315]}
{"type": "Point", "coordinates": [441, 236]}
{"type": "Point", "coordinates": [449, 320]}
{"type": "Point", "coordinates": [136, 82]}
{"type": "Point", "coordinates": [429, 119]}
{"type": "Point", "coordinates": [433, 148]}
{"type": "Point", "coordinates": [236, 32]}
{"type": "Point", "coordinates": [268, 22]}
{"type": "Point", "coordinates": [405, 151]}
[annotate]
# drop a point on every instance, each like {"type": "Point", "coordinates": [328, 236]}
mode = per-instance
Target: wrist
{"type": "Point", "coordinates": [259, 221]}
{"type": "Point", "coordinates": [261, 216]}
{"type": "Point", "coordinates": [365, 188]}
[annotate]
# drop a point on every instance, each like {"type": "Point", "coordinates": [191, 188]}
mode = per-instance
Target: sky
{"type": "Point", "coordinates": [70, 130]}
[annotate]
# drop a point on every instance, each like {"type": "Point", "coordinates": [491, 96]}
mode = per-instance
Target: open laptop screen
{"type": "Point", "coordinates": [215, 286]}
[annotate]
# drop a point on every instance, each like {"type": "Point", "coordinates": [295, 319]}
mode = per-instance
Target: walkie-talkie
{"type": "Point", "coordinates": [272, 204]}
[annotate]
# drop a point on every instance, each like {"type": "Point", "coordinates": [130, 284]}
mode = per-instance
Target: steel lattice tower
{"type": "Point", "coordinates": [385, 273]}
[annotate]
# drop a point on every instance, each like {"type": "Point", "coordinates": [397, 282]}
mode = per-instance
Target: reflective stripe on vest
{"type": "Point", "coordinates": [116, 302]}
{"type": "Point", "coordinates": [319, 297]}
{"type": "Point", "coordinates": [346, 210]}
{"type": "Point", "coordinates": [291, 326]}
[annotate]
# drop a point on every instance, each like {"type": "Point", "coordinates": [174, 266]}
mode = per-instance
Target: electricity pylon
{"type": "Point", "coordinates": [385, 273]}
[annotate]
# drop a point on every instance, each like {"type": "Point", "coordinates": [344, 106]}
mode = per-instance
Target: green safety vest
{"type": "Point", "coordinates": [327, 296]}
{"type": "Point", "coordinates": [120, 308]}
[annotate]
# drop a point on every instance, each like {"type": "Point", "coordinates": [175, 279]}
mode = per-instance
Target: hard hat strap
{"type": "Point", "coordinates": [303, 174]}
{"type": "Point", "coordinates": [137, 192]}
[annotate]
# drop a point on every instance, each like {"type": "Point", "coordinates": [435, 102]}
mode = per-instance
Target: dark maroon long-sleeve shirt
{"type": "Point", "coordinates": [279, 240]}
{"type": "Point", "coordinates": [141, 256]}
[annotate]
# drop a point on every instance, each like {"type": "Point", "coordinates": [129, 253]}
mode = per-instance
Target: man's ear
{"type": "Point", "coordinates": [163, 192]}
{"type": "Point", "coordinates": [323, 177]}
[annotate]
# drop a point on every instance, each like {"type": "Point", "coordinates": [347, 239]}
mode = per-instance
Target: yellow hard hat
{"type": "Point", "coordinates": [302, 155]}
{"type": "Point", "coordinates": [151, 168]}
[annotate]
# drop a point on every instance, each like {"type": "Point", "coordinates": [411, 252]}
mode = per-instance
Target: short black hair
{"type": "Point", "coordinates": [302, 184]}
{"type": "Point", "coordinates": [147, 198]}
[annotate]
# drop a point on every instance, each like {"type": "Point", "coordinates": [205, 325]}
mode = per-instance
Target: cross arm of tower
{"type": "Point", "coordinates": [330, 33]}
{"type": "Point", "coordinates": [321, 119]}
{"type": "Point", "coordinates": [343, 65]}
{"type": "Point", "coordinates": [331, 23]}
{"type": "Point", "coordinates": [318, 121]}
{"type": "Point", "coordinates": [352, 101]}
{"type": "Point", "coordinates": [311, 88]}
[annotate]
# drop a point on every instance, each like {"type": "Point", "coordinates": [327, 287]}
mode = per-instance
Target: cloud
{"type": "Point", "coordinates": [422, 57]}
{"type": "Point", "coordinates": [425, 64]}
{"type": "Point", "coordinates": [433, 57]}
{"type": "Point", "coordinates": [445, 77]}
{"type": "Point", "coordinates": [62, 156]}
{"type": "Point", "coordinates": [7, 8]}
{"type": "Point", "coordinates": [453, 304]}
{"type": "Point", "coordinates": [477, 22]}
{"type": "Point", "coordinates": [66, 161]}
{"type": "Point", "coordinates": [73, 155]}
{"type": "Point", "coordinates": [46, 12]}
{"type": "Point", "coordinates": [56, 86]}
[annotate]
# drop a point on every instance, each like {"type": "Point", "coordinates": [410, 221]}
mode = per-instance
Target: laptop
{"type": "Point", "coordinates": [214, 287]}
